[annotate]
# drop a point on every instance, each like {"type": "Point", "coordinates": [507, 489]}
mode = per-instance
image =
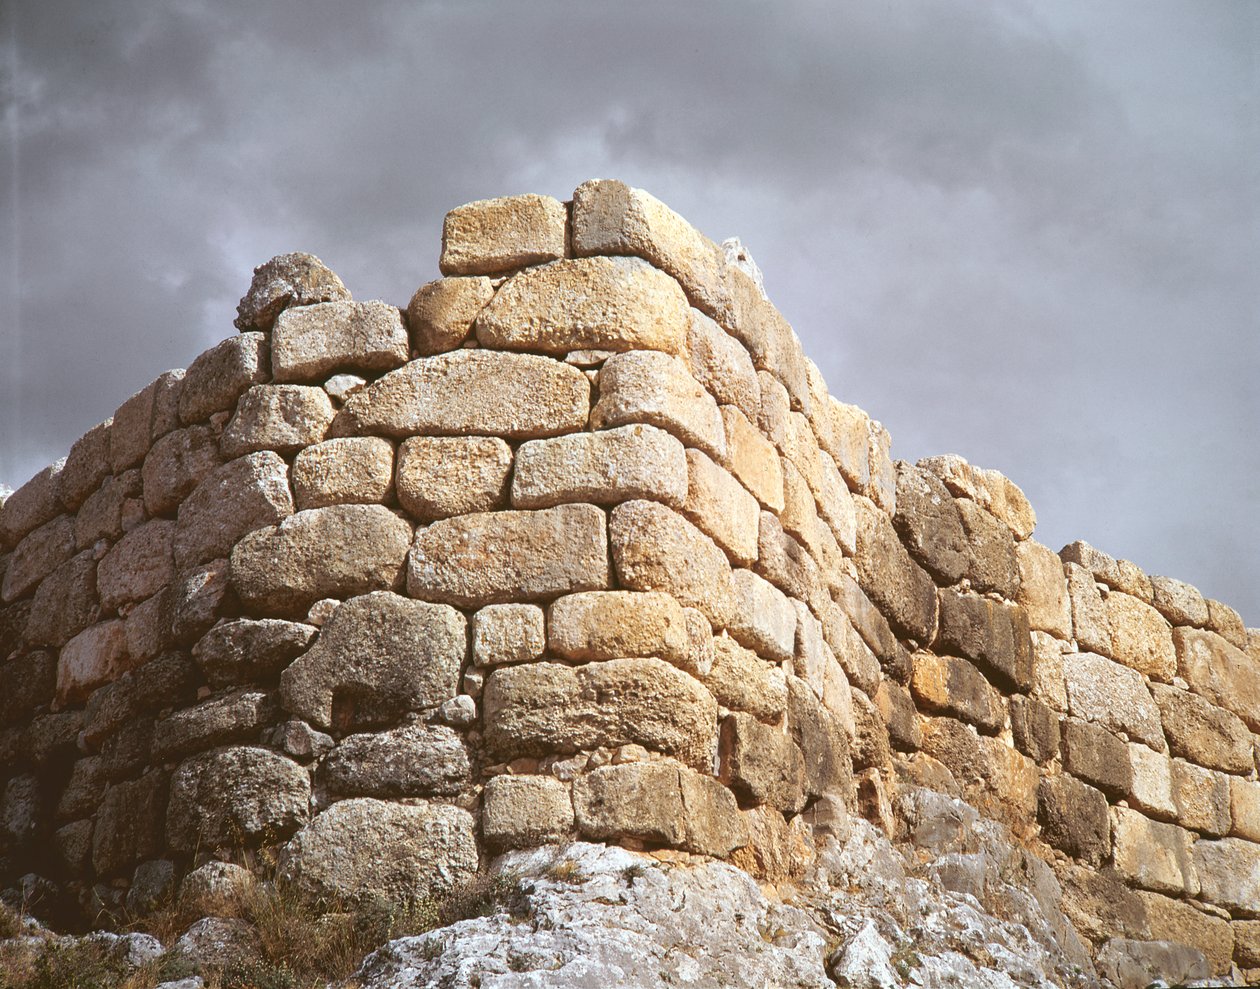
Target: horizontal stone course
{"type": "Point", "coordinates": [309, 343]}
{"type": "Point", "coordinates": [494, 235]}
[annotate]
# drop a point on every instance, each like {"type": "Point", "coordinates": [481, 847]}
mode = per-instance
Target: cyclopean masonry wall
{"type": "Point", "coordinates": [579, 545]}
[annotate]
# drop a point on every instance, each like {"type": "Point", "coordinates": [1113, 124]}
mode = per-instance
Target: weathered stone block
{"type": "Point", "coordinates": [994, 635]}
{"type": "Point", "coordinates": [753, 459]}
{"type": "Point", "coordinates": [822, 740]}
{"type": "Point", "coordinates": [1204, 733]}
{"type": "Point", "coordinates": [617, 624]}
{"type": "Point", "coordinates": [1179, 602]}
{"type": "Point", "coordinates": [238, 716]}
{"type": "Point", "coordinates": [1202, 798]}
{"type": "Point", "coordinates": [872, 627]}
{"type": "Point", "coordinates": [412, 761]}
{"type": "Point", "coordinates": [296, 279]}
{"type": "Point", "coordinates": [1140, 637]}
{"type": "Point", "coordinates": [762, 765]}
{"type": "Point", "coordinates": [604, 468]}
{"type": "Point", "coordinates": [86, 466]}
{"type": "Point", "coordinates": [1151, 791]}
{"type": "Point", "coordinates": [1043, 591]}
{"type": "Point", "coordinates": [1220, 672]}
{"type": "Point", "coordinates": [1244, 805]}
{"type": "Point", "coordinates": [1102, 567]}
{"type": "Point", "coordinates": [525, 811]}
{"type": "Point", "coordinates": [101, 516]}
{"type": "Point", "coordinates": [1179, 922]}
{"type": "Point", "coordinates": [1074, 818]}
{"type": "Point", "coordinates": [441, 313]}
{"type": "Point", "coordinates": [309, 343]}
{"type": "Point", "coordinates": [1136, 964]}
{"type": "Point", "coordinates": [65, 603]}
{"type": "Point", "coordinates": [720, 506]}
{"type": "Point", "coordinates": [175, 465]}
{"type": "Point", "coordinates": [661, 803]}
{"type": "Point", "coordinates": [379, 656]}
{"type": "Point", "coordinates": [1099, 905]}
{"type": "Point", "coordinates": [26, 683]}
{"type": "Point", "coordinates": [988, 489]}
{"type": "Point", "coordinates": [991, 565]}
{"type": "Point", "coordinates": [440, 476]}
{"type": "Point", "coordinates": [541, 708]}
{"type": "Point", "coordinates": [217, 378]}
{"type": "Point", "coordinates": [1097, 756]}
{"type": "Point", "coordinates": [493, 558]}
{"type": "Point", "coordinates": [1227, 623]}
{"type": "Point", "coordinates": [763, 618]}
{"type": "Point", "coordinates": [655, 388]}
{"type": "Point", "coordinates": [30, 506]}
{"type": "Point", "coordinates": [1034, 728]}
{"type": "Point", "coordinates": [742, 681]}
{"type": "Point", "coordinates": [899, 586]}
{"type": "Point", "coordinates": [508, 633]}
{"type": "Point", "coordinates": [1229, 874]}
{"type": "Point", "coordinates": [1090, 625]}
{"type": "Point", "coordinates": [1154, 856]}
{"type": "Point", "coordinates": [139, 565]}
{"type": "Point", "coordinates": [239, 497]}
{"type": "Point", "coordinates": [132, 431]}
{"type": "Point", "coordinates": [721, 364]}
{"type": "Point", "coordinates": [656, 549]}
{"type": "Point", "coordinates": [953, 686]}
{"type": "Point", "coordinates": [350, 470]}
{"type": "Point", "coordinates": [38, 554]}
{"type": "Point", "coordinates": [1112, 696]}
{"type": "Point", "coordinates": [1049, 685]}
{"type": "Point", "coordinates": [929, 522]}
{"type": "Point", "coordinates": [283, 418]}
{"type": "Point", "coordinates": [1246, 942]}
{"type": "Point", "coordinates": [129, 824]}
{"type": "Point", "coordinates": [597, 303]}
{"type": "Point", "coordinates": [94, 657]}
{"type": "Point", "coordinates": [494, 235]}
{"type": "Point", "coordinates": [471, 392]}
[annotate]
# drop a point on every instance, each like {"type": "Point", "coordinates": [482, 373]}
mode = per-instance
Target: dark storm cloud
{"type": "Point", "coordinates": [995, 226]}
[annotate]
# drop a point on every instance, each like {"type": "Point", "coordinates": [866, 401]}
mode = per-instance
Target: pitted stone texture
{"type": "Point", "coordinates": [597, 303]}
{"type": "Point", "coordinates": [413, 761]}
{"type": "Point", "coordinates": [30, 506]}
{"type": "Point", "coordinates": [761, 764]}
{"type": "Point", "coordinates": [742, 681]}
{"type": "Point", "coordinates": [498, 557]}
{"type": "Point", "coordinates": [720, 506]}
{"type": "Point", "coordinates": [929, 522]}
{"type": "Point", "coordinates": [350, 470]}
{"type": "Point", "coordinates": [1204, 733]}
{"type": "Point", "coordinates": [1140, 637]}
{"type": "Point", "coordinates": [217, 378]}
{"type": "Point", "coordinates": [103, 514]}
{"type": "Point", "coordinates": [91, 659]}
{"type": "Point", "coordinates": [175, 465]}
{"type": "Point", "coordinates": [494, 235]}
{"type": "Point", "coordinates": [987, 488]}
{"type": "Point", "coordinates": [991, 551]}
{"type": "Point", "coordinates": [139, 565]}
{"type": "Point", "coordinates": [311, 342]}
{"type": "Point", "coordinates": [239, 497]}
{"type": "Point", "coordinates": [1074, 818]}
{"type": "Point", "coordinates": [284, 418]}
{"type": "Point", "coordinates": [441, 313]}
{"type": "Point", "coordinates": [228, 796]}
{"type": "Point", "coordinates": [1176, 921]}
{"type": "Point", "coordinates": [1229, 873]}
{"type": "Point", "coordinates": [362, 849]}
{"type": "Point", "coordinates": [1091, 626]}
{"type": "Point", "coordinates": [1179, 602]}
{"type": "Point", "coordinates": [86, 466]}
{"type": "Point", "coordinates": [753, 459]}
{"type": "Point", "coordinates": [1219, 671]}
{"type": "Point", "coordinates": [471, 392]}
{"type": "Point", "coordinates": [542, 708]}
{"type": "Point", "coordinates": [440, 476]}
{"type": "Point", "coordinates": [1151, 790]}
{"type": "Point", "coordinates": [131, 434]}
{"type": "Point", "coordinates": [955, 687]}
{"type": "Point", "coordinates": [1244, 803]}
{"type": "Point", "coordinates": [38, 554]}
{"type": "Point", "coordinates": [525, 812]}
{"type": "Point", "coordinates": [1154, 856]}
{"type": "Point", "coordinates": [721, 364]}
{"type": "Point", "coordinates": [379, 656]}
{"type": "Point", "coordinates": [661, 803]}
{"type": "Point", "coordinates": [995, 635]}
{"type": "Point", "coordinates": [656, 549]}
{"type": "Point", "coordinates": [1043, 592]}
{"type": "Point", "coordinates": [899, 586]}
{"type": "Point", "coordinates": [604, 467]}
{"type": "Point", "coordinates": [297, 279]}
{"type": "Point", "coordinates": [1112, 696]}
{"type": "Point", "coordinates": [617, 624]}
{"type": "Point", "coordinates": [237, 716]}
{"type": "Point", "coordinates": [763, 618]}
{"type": "Point", "coordinates": [336, 552]}
{"type": "Point", "coordinates": [1202, 798]}
{"type": "Point", "coordinates": [508, 633]}
{"type": "Point", "coordinates": [245, 650]}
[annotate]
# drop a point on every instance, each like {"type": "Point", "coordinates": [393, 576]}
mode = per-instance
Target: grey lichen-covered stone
{"type": "Point", "coordinates": [761, 764]}
{"type": "Point", "coordinates": [296, 279]}
{"type": "Point", "coordinates": [1074, 818]}
{"type": "Point", "coordinates": [338, 552]}
{"type": "Point", "coordinates": [129, 823]}
{"type": "Point", "coordinates": [103, 514]}
{"type": "Point", "coordinates": [1130, 964]}
{"type": "Point", "coordinates": [603, 467]}
{"type": "Point", "coordinates": [379, 656]}
{"type": "Point", "coordinates": [309, 343]}
{"type": "Point", "coordinates": [230, 796]}
{"type": "Point", "coordinates": [525, 812]}
{"type": "Point", "coordinates": [239, 497]}
{"type": "Point", "coordinates": [30, 506]}
{"type": "Point", "coordinates": [497, 557]}
{"type": "Point", "coordinates": [541, 708]}
{"type": "Point", "coordinates": [659, 802]}
{"type": "Point", "coordinates": [86, 466]}
{"type": "Point", "coordinates": [440, 476]}
{"type": "Point", "coordinates": [139, 565]}
{"type": "Point", "coordinates": [283, 418]}
{"type": "Point", "coordinates": [350, 470]}
{"type": "Point", "coordinates": [441, 313]}
{"type": "Point", "coordinates": [217, 378]}
{"type": "Point", "coordinates": [1202, 732]}
{"type": "Point", "coordinates": [471, 392]}
{"type": "Point", "coordinates": [26, 683]}
{"type": "Point", "coordinates": [175, 465]}
{"type": "Point", "coordinates": [596, 303]}
{"type": "Point", "coordinates": [618, 624]}
{"type": "Point", "coordinates": [363, 849]}
{"type": "Point", "coordinates": [237, 716]}
{"type": "Point", "coordinates": [412, 761]}
{"type": "Point", "coordinates": [1112, 696]}
{"type": "Point", "coordinates": [495, 235]}
{"type": "Point", "coordinates": [38, 554]}
{"type": "Point", "coordinates": [508, 633]}
{"type": "Point", "coordinates": [65, 603]}
{"type": "Point", "coordinates": [131, 434]}
{"type": "Point", "coordinates": [899, 586]}
{"type": "Point", "coordinates": [216, 886]}
{"type": "Point", "coordinates": [170, 679]}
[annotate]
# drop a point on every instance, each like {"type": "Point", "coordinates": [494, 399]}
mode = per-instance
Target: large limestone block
{"type": "Point", "coordinates": [236, 795]}
{"type": "Point", "coordinates": [1074, 818]}
{"type": "Point", "coordinates": [440, 476]}
{"type": "Point", "coordinates": [440, 315]}
{"type": "Point", "coordinates": [900, 587]}
{"type": "Point", "coordinates": [993, 634]}
{"type": "Point", "coordinates": [753, 459]}
{"type": "Point", "coordinates": [103, 515]}
{"type": "Point", "coordinates": [721, 364]}
{"type": "Point", "coordinates": [722, 508]}
{"type": "Point", "coordinates": [1140, 637]}
{"type": "Point", "coordinates": [131, 434]}
{"type": "Point", "coordinates": [1179, 922]}
{"type": "Point", "coordinates": [844, 432]}
{"type": "Point", "coordinates": [1154, 856]}
{"type": "Point", "coordinates": [1244, 804]}
{"type": "Point", "coordinates": [65, 603]}
{"type": "Point", "coordinates": [1043, 591]}
{"type": "Point", "coordinates": [1151, 790]}
{"type": "Point", "coordinates": [1103, 567]}
{"type": "Point", "coordinates": [379, 655]}
{"type": "Point", "coordinates": [245, 650]}
{"type": "Point", "coordinates": [30, 506]}
{"type": "Point", "coordinates": [338, 551]}
{"type": "Point", "coordinates": [175, 465]}
{"type": "Point", "coordinates": [991, 564]}
{"type": "Point", "coordinates": [929, 522]}
{"type": "Point", "coordinates": [412, 761]}
{"type": "Point", "coordinates": [1219, 671]}
{"type": "Point", "coordinates": [656, 549]}
{"type": "Point", "coordinates": [823, 741]}
{"type": "Point", "coordinates": [508, 633]}
{"type": "Point", "coordinates": [761, 764]}
{"type": "Point", "coordinates": [283, 418]}
{"type": "Point", "coordinates": [603, 468]}
{"type": "Point", "coordinates": [495, 235]}
{"type": "Point", "coordinates": [1229, 874]}
{"type": "Point", "coordinates": [788, 565]}
{"type": "Point", "coordinates": [616, 624]}
{"type": "Point", "coordinates": [742, 681]}
{"type": "Point", "coordinates": [858, 660]}
{"type": "Point", "coordinates": [1179, 602]}
{"type": "Point", "coordinates": [1097, 756]}
{"type": "Point", "coordinates": [1090, 623]}
{"type": "Point", "coordinates": [988, 489]}
{"type": "Point", "coordinates": [659, 802]}
{"type": "Point", "coordinates": [1112, 696]}
{"type": "Point", "coordinates": [241, 496]}
{"type": "Point", "coordinates": [87, 465]}
{"type": "Point", "coordinates": [1227, 623]}
{"type": "Point", "coordinates": [362, 850]}
{"type": "Point", "coordinates": [953, 686]}
{"type": "Point", "coordinates": [38, 554]}
{"type": "Point", "coordinates": [599, 303]}
{"type": "Point", "coordinates": [1138, 964]}
{"type": "Point", "coordinates": [129, 824]}
{"type": "Point", "coordinates": [763, 618]}
{"type": "Point", "coordinates": [497, 557]}
{"type": "Point", "coordinates": [349, 470]}
{"type": "Point", "coordinates": [1034, 728]}
{"type": "Point", "coordinates": [139, 565]}
{"type": "Point", "coordinates": [91, 659]}
{"type": "Point", "coordinates": [525, 812]}
{"type": "Point", "coordinates": [1202, 798]}
{"type": "Point", "coordinates": [237, 716]}
{"type": "Point", "coordinates": [542, 708]}
{"type": "Point", "coordinates": [297, 279]}
{"type": "Point", "coordinates": [1204, 733]}
{"type": "Point", "coordinates": [647, 386]}
{"type": "Point", "coordinates": [217, 378]}
{"type": "Point", "coordinates": [311, 342]}
{"type": "Point", "coordinates": [471, 392]}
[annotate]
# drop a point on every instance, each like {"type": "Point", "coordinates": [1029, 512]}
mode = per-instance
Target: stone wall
{"type": "Point", "coordinates": [579, 545]}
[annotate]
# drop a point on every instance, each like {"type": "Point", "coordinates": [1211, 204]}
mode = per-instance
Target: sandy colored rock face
{"type": "Point", "coordinates": [898, 585]}
{"type": "Point", "coordinates": [496, 235]}
{"type": "Point", "coordinates": [441, 313]}
{"type": "Point", "coordinates": [1112, 696]}
{"type": "Point", "coordinates": [928, 520]}
{"type": "Point", "coordinates": [339, 551]}
{"type": "Point", "coordinates": [544, 707]}
{"type": "Point", "coordinates": [722, 365]}
{"type": "Point", "coordinates": [440, 476]}
{"type": "Point", "coordinates": [1173, 920]}
{"type": "Point", "coordinates": [1220, 672]}
{"type": "Point", "coordinates": [742, 681]}
{"type": "Point", "coordinates": [615, 624]}
{"type": "Point", "coordinates": [1043, 589]}
{"type": "Point", "coordinates": [525, 811]}
{"type": "Point", "coordinates": [753, 459]}
{"type": "Point", "coordinates": [297, 279]}
{"type": "Point", "coordinates": [599, 303]}
{"type": "Point", "coordinates": [763, 618]}
{"type": "Point", "coordinates": [1229, 873]}
{"type": "Point", "coordinates": [239, 497]}
{"type": "Point", "coordinates": [498, 557]}
{"type": "Point", "coordinates": [761, 764]}
{"type": "Point", "coordinates": [1140, 637]}
{"type": "Point", "coordinates": [722, 508]}
{"type": "Point", "coordinates": [1244, 803]}
{"type": "Point", "coordinates": [1090, 624]}
{"type": "Point", "coordinates": [1202, 798]}
{"type": "Point", "coordinates": [604, 467]}
{"type": "Point", "coordinates": [1204, 733]}
{"type": "Point", "coordinates": [508, 633]}
{"type": "Point", "coordinates": [992, 634]}
{"type": "Point", "coordinates": [350, 470]}
{"type": "Point", "coordinates": [471, 392]}
{"type": "Point", "coordinates": [283, 418]}
{"type": "Point", "coordinates": [1179, 602]}
{"type": "Point", "coordinates": [1154, 856]}
{"type": "Point", "coordinates": [950, 685]}
{"type": "Point", "coordinates": [311, 342]}
{"type": "Point", "coordinates": [1151, 791]}
{"type": "Point", "coordinates": [379, 656]}
{"type": "Point", "coordinates": [217, 378]}
{"type": "Point", "coordinates": [1097, 757]}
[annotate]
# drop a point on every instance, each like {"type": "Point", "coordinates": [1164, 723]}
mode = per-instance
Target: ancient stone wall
{"type": "Point", "coordinates": [579, 544]}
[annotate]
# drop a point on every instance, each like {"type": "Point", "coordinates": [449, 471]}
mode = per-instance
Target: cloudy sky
{"type": "Point", "coordinates": [1023, 232]}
